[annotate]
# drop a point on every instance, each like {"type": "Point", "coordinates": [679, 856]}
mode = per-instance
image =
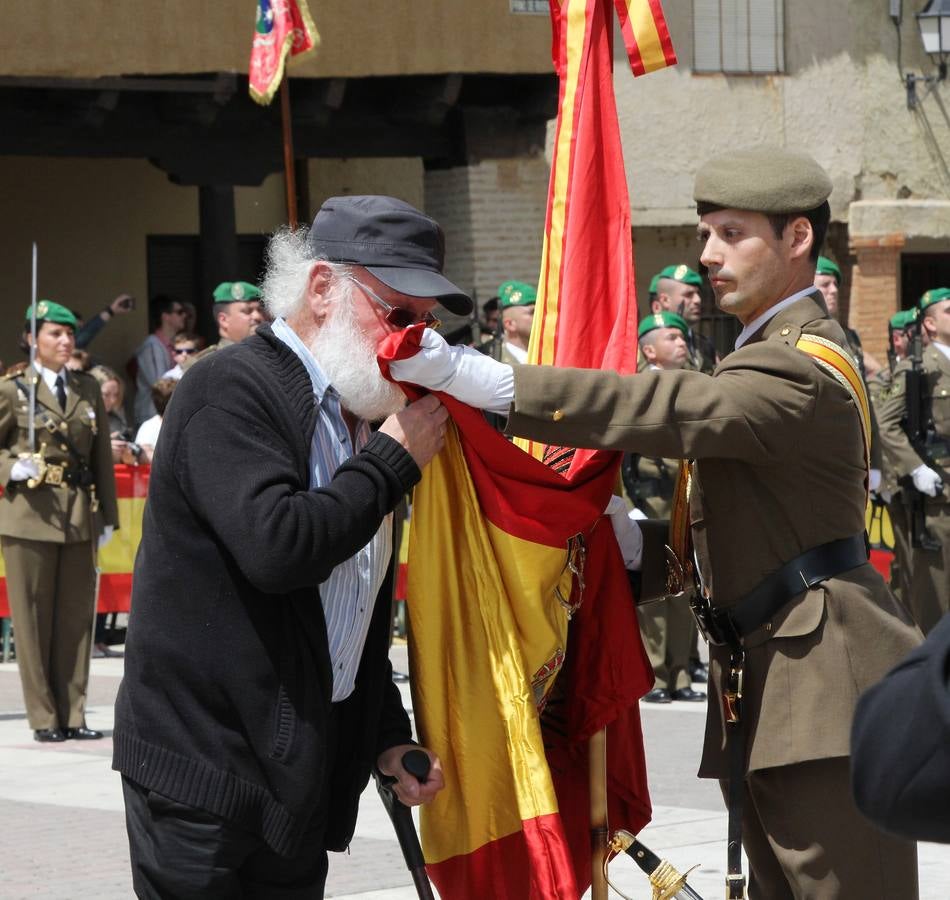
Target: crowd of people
{"type": "Point", "coordinates": [245, 734]}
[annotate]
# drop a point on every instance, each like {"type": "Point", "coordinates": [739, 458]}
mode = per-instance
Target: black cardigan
{"type": "Point", "coordinates": [227, 682]}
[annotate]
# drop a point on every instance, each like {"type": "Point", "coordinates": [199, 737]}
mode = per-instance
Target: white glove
{"type": "Point", "coordinates": [106, 536]}
{"type": "Point", "coordinates": [927, 481]}
{"type": "Point", "coordinates": [463, 372]}
{"type": "Point", "coordinates": [627, 531]}
{"type": "Point", "coordinates": [23, 469]}
{"type": "Point", "coordinates": [874, 479]}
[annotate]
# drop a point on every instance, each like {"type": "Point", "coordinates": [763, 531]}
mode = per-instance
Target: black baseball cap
{"type": "Point", "coordinates": [401, 246]}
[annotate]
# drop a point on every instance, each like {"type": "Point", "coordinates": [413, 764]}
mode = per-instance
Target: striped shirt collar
{"type": "Point", "coordinates": [321, 384]}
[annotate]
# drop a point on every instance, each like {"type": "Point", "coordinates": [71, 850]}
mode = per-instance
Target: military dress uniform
{"type": "Point", "coordinates": [879, 388]}
{"type": "Point", "coordinates": [780, 462]}
{"type": "Point", "coordinates": [667, 625]}
{"type": "Point", "coordinates": [928, 582]}
{"type": "Point", "coordinates": [49, 534]}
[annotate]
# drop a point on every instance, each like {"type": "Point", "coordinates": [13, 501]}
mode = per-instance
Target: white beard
{"type": "Point", "coordinates": [349, 360]}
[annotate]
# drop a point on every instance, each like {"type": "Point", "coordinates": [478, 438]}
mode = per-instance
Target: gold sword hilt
{"type": "Point", "coordinates": [39, 457]}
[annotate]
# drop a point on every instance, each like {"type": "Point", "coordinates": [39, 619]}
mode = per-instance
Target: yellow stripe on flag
{"type": "Point", "coordinates": [645, 32]}
{"type": "Point", "coordinates": [498, 591]}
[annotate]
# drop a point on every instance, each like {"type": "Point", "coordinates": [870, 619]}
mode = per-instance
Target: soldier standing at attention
{"type": "Point", "coordinates": [58, 497]}
{"type": "Point", "coordinates": [235, 313]}
{"type": "Point", "coordinates": [799, 621]}
{"type": "Point", "coordinates": [924, 467]}
{"type": "Point", "coordinates": [676, 289]}
{"type": "Point", "coordinates": [890, 491]}
{"type": "Point", "coordinates": [667, 626]}
{"type": "Point", "coordinates": [516, 301]}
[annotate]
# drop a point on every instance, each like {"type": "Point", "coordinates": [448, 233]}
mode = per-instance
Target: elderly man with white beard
{"type": "Point", "coordinates": [258, 693]}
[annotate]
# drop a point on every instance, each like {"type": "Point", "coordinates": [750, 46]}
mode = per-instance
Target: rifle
{"type": "Point", "coordinates": [919, 428]}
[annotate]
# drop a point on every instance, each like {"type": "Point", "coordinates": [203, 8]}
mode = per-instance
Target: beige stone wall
{"type": "Point", "coordinates": [842, 99]}
{"type": "Point", "coordinates": [372, 37]}
{"type": "Point", "coordinates": [493, 216]}
{"type": "Point", "coordinates": [91, 218]}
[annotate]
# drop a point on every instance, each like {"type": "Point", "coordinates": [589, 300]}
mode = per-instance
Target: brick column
{"type": "Point", "coordinates": [875, 289]}
{"type": "Point", "coordinates": [492, 213]}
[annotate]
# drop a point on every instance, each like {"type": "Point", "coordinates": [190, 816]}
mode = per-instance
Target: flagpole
{"type": "Point", "coordinates": [597, 775]}
{"type": "Point", "coordinates": [290, 179]}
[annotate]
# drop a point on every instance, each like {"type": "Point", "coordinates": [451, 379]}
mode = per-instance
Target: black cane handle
{"type": "Point", "coordinates": [417, 763]}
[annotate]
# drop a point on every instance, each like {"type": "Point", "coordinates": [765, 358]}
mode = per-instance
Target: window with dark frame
{"type": "Point", "coordinates": [741, 37]}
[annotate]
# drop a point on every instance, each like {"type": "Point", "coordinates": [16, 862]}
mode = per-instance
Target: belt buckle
{"type": "Point", "coordinates": [54, 474]}
{"type": "Point", "coordinates": [735, 887]}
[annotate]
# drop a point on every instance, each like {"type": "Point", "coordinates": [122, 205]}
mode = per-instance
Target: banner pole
{"type": "Point", "coordinates": [597, 775]}
{"type": "Point", "coordinates": [290, 178]}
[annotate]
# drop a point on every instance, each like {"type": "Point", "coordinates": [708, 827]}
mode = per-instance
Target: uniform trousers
{"type": "Point", "coordinates": [52, 599]}
{"type": "Point", "coordinates": [902, 564]}
{"type": "Point", "coordinates": [930, 571]}
{"type": "Point", "coordinates": [668, 633]}
{"type": "Point", "coordinates": [806, 840]}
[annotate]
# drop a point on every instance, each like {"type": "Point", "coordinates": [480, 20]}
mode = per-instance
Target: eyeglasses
{"type": "Point", "coordinates": [179, 311]}
{"type": "Point", "coordinates": [188, 350]}
{"type": "Point", "coordinates": [397, 316]}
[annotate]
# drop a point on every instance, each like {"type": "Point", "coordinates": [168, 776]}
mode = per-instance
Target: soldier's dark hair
{"type": "Point", "coordinates": [818, 217]}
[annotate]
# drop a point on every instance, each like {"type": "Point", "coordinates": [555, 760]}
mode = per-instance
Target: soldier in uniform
{"type": "Point", "coordinates": [516, 301]}
{"type": "Point", "coordinates": [890, 491]}
{"type": "Point", "coordinates": [676, 289]}
{"type": "Point", "coordinates": [235, 314]}
{"type": "Point", "coordinates": [925, 468]}
{"type": "Point", "coordinates": [667, 626]}
{"type": "Point", "coordinates": [800, 621]}
{"type": "Point", "coordinates": [58, 497]}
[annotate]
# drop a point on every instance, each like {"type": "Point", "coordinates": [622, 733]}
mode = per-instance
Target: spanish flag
{"type": "Point", "coordinates": [523, 634]}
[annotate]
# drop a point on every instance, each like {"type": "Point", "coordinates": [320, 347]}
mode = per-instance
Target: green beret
{"type": "Point", "coordinates": [682, 273]}
{"type": "Point", "coordinates": [826, 267]}
{"type": "Point", "coordinates": [663, 319]}
{"type": "Point", "coordinates": [48, 311]}
{"type": "Point", "coordinates": [935, 295]}
{"type": "Point", "coordinates": [516, 293]}
{"type": "Point", "coordinates": [903, 319]}
{"type": "Point", "coordinates": [235, 291]}
{"type": "Point", "coordinates": [654, 282]}
{"type": "Point", "coordinates": [768, 180]}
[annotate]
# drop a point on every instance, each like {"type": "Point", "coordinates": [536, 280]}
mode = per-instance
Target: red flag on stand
{"type": "Point", "coordinates": [283, 27]}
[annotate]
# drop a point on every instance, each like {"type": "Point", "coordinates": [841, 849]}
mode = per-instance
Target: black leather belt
{"type": "Point", "coordinates": [730, 626]}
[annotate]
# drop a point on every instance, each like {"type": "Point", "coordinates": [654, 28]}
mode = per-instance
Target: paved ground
{"type": "Point", "coordinates": [63, 834]}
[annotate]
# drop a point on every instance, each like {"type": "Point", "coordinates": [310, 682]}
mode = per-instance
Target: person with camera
{"type": "Point", "coordinates": [85, 333]}
{"type": "Point", "coordinates": [58, 498]}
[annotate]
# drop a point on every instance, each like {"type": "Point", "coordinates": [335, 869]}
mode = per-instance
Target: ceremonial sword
{"type": "Point", "coordinates": [668, 884]}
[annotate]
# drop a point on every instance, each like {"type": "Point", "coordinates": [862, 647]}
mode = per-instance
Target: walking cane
{"type": "Point", "coordinates": [416, 763]}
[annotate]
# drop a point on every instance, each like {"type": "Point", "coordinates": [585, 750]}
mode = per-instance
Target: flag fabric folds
{"type": "Point", "coordinates": [523, 634]}
{"type": "Point", "coordinates": [283, 27]}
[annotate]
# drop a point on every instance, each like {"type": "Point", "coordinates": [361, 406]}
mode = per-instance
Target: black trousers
{"type": "Point", "coordinates": [179, 852]}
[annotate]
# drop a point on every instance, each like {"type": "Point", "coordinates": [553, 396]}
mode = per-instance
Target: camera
{"type": "Point", "coordinates": [127, 302]}
{"type": "Point", "coordinates": [136, 449]}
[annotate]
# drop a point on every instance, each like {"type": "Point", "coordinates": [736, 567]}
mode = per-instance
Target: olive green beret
{"type": "Point", "coordinates": [903, 319]}
{"type": "Point", "coordinates": [682, 273]}
{"type": "Point", "coordinates": [516, 293]}
{"type": "Point", "coordinates": [662, 319]}
{"type": "Point", "coordinates": [235, 292]}
{"type": "Point", "coordinates": [935, 295]}
{"type": "Point", "coordinates": [48, 311]}
{"type": "Point", "coordinates": [826, 267]}
{"type": "Point", "coordinates": [768, 180]}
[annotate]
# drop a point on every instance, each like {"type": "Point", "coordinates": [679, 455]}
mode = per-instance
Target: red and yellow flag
{"type": "Point", "coordinates": [503, 690]}
{"type": "Point", "coordinates": [117, 558]}
{"type": "Point", "coordinates": [282, 27]}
